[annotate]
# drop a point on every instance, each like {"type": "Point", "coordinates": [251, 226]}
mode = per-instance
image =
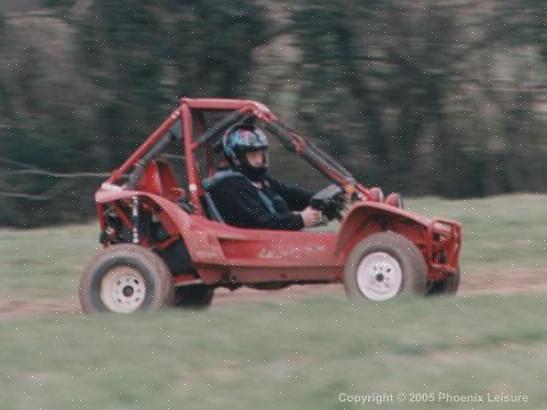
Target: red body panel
{"type": "Point", "coordinates": [221, 252]}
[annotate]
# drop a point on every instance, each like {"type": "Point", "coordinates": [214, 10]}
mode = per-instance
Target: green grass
{"type": "Point", "coordinates": [297, 355]}
{"type": "Point", "coordinates": [507, 232]}
{"type": "Point", "coordinates": [45, 262]}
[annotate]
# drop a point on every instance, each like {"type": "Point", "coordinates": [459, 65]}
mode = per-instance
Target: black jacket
{"type": "Point", "coordinates": [243, 204]}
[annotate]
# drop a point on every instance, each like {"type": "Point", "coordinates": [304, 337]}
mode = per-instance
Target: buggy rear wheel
{"type": "Point", "coordinates": [125, 278]}
{"type": "Point", "coordinates": [194, 296]}
{"type": "Point", "coordinates": [382, 266]}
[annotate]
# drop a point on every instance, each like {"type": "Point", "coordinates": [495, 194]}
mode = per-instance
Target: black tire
{"type": "Point", "coordinates": [194, 296]}
{"type": "Point", "coordinates": [125, 278]}
{"type": "Point", "coordinates": [395, 266]}
{"type": "Point", "coordinates": [445, 287]}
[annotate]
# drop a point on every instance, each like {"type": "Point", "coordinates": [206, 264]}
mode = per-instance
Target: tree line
{"type": "Point", "coordinates": [426, 97]}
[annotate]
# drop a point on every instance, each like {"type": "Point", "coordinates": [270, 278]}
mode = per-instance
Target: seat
{"type": "Point", "coordinates": [158, 179]}
{"type": "Point", "coordinates": [207, 200]}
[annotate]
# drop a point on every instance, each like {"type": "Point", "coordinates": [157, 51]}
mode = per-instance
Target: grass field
{"type": "Point", "coordinates": [504, 232]}
{"type": "Point", "coordinates": [282, 353]}
{"type": "Point", "coordinates": [297, 355]}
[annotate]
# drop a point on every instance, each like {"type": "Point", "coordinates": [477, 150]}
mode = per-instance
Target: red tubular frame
{"type": "Point", "coordinates": [149, 143]}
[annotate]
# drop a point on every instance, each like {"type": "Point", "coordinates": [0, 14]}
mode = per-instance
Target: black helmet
{"type": "Point", "coordinates": [241, 139]}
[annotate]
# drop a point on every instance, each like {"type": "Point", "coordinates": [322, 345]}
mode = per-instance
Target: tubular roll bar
{"type": "Point", "coordinates": [304, 142]}
{"type": "Point", "coordinates": [243, 110]}
{"type": "Point", "coordinates": [311, 154]}
{"type": "Point", "coordinates": [150, 142]}
{"type": "Point", "coordinates": [141, 164]}
{"type": "Point", "coordinates": [220, 126]}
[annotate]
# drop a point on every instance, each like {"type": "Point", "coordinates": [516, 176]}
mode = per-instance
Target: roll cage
{"type": "Point", "coordinates": [187, 124]}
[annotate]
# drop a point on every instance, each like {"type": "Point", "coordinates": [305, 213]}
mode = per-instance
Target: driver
{"type": "Point", "coordinates": [247, 196]}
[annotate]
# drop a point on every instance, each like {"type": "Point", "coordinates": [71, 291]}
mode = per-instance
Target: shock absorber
{"type": "Point", "coordinates": [135, 219]}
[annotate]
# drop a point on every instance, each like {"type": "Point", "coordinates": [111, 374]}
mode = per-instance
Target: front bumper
{"type": "Point", "coordinates": [444, 242]}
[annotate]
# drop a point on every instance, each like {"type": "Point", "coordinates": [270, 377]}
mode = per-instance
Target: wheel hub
{"type": "Point", "coordinates": [379, 276]}
{"type": "Point", "coordinates": [128, 291]}
{"type": "Point", "coordinates": [123, 289]}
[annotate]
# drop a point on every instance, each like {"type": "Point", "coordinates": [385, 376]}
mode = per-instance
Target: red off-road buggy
{"type": "Point", "coordinates": [166, 245]}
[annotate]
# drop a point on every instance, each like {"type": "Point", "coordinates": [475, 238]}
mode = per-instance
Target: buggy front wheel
{"type": "Point", "coordinates": [383, 266]}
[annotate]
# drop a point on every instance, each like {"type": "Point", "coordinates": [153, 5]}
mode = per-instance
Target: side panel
{"type": "Point", "coordinates": [253, 255]}
{"type": "Point", "coordinates": [225, 253]}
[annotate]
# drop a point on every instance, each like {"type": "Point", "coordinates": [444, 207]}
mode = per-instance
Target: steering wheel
{"type": "Point", "coordinates": [330, 201]}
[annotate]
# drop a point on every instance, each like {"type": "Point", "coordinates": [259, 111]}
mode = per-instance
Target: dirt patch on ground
{"type": "Point", "coordinates": [476, 283]}
{"type": "Point", "coordinates": [11, 307]}
{"type": "Point", "coordinates": [504, 282]}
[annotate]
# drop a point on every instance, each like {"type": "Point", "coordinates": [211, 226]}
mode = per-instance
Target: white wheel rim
{"type": "Point", "coordinates": [123, 289]}
{"type": "Point", "coordinates": [379, 276]}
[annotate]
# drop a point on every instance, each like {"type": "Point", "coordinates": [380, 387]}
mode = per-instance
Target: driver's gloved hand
{"type": "Point", "coordinates": [311, 217]}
